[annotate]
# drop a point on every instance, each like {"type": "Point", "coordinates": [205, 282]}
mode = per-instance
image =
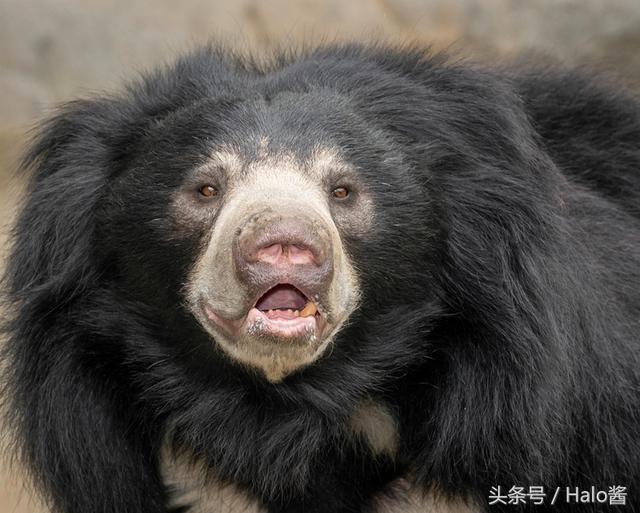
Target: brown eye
{"type": "Point", "coordinates": [340, 192]}
{"type": "Point", "coordinates": [208, 191]}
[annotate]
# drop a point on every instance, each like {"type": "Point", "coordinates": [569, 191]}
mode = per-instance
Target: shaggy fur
{"type": "Point", "coordinates": [500, 318]}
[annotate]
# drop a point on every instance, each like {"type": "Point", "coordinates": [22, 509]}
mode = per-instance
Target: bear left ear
{"type": "Point", "coordinates": [52, 239]}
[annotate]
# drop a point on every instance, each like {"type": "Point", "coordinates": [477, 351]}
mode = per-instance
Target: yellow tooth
{"type": "Point", "coordinates": [296, 313]}
{"type": "Point", "coordinates": [308, 310]}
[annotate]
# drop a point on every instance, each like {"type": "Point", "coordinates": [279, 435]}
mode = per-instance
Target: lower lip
{"type": "Point", "coordinates": [258, 321]}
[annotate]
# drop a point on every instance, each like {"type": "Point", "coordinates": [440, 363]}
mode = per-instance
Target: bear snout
{"type": "Point", "coordinates": [272, 248]}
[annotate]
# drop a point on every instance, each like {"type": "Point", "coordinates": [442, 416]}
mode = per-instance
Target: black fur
{"type": "Point", "coordinates": [501, 313]}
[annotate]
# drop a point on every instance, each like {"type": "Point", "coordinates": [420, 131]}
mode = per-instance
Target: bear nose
{"type": "Point", "coordinates": [283, 253]}
{"type": "Point", "coordinates": [272, 247]}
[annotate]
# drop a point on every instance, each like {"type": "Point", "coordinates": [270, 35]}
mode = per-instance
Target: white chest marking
{"type": "Point", "coordinates": [188, 486]}
{"type": "Point", "coordinates": [375, 423]}
{"type": "Point", "coordinates": [403, 497]}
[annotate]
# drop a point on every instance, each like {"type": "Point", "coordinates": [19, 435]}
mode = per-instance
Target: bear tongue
{"type": "Point", "coordinates": [285, 297]}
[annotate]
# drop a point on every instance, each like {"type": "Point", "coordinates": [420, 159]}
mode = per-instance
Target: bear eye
{"type": "Point", "coordinates": [208, 191]}
{"type": "Point", "coordinates": [340, 192]}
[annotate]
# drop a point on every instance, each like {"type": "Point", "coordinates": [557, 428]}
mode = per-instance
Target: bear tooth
{"type": "Point", "coordinates": [309, 310]}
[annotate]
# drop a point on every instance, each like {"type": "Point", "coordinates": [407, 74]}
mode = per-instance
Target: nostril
{"type": "Point", "coordinates": [269, 254]}
{"type": "Point", "coordinates": [279, 254]}
{"type": "Point", "coordinates": [300, 255]}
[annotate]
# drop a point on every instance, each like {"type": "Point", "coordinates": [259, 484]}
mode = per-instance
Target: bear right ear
{"type": "Point", "coordinates": [51, 255]}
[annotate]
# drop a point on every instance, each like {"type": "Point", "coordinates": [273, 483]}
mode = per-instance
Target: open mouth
{"type": "Point", "coordinates": [283, 312]}
{"type": "Point", "coordinates": [285, 302]}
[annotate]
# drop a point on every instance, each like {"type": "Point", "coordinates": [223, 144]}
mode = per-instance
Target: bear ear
{"type": "Point", "coordinates": [51, 257]}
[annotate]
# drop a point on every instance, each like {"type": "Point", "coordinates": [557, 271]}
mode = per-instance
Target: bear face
{"type": "Point", "coordinates": [275, 282]}
{"type": "Point", "coordinates": [267, 207]}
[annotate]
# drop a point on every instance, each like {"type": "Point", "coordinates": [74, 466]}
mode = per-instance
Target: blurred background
{"type": "Point", "coordinates": [54, 50]}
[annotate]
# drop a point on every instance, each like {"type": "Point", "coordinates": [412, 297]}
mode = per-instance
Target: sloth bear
{"type": "Point", "coordinates": [356, 279]}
